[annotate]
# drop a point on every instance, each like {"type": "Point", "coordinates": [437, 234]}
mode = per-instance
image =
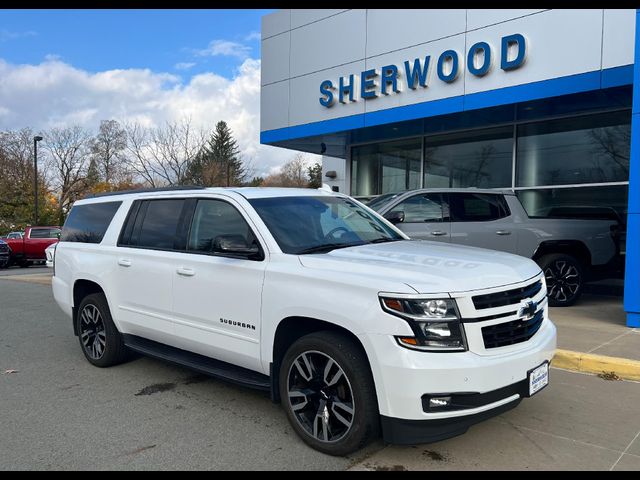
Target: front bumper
{"type": "Point", "coordinates": [404, 376]}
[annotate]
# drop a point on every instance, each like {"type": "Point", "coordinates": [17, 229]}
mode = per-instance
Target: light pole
{"type": "Point", "coordinates": [36, 139]}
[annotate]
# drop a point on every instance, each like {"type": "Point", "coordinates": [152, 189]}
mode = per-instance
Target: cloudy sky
{"type": "Point", "coordinates": [66, 67]}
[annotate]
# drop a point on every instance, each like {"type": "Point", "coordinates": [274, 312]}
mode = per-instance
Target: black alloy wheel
{"type": "Point", "coordinates": [101, 342]}
{"type": "Point", "coordinates": [320, 396]}
{"type": "Point", "coordinates": [92, 334]}
{"type": "Point", "coordinates": [564, 277]}
{"type": "Point", "coordinates": [328, 393]}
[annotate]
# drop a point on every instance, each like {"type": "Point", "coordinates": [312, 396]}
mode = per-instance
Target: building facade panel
{"type": "Point", "coordinates": [275, 58]}
{"type": "Point", "coordinates": [305, 16]}
{"type": "Point", "coordinates": [389, 30]}
{"type": "Point", "coordinates": [329, 42]}
{"type": "Point", "coordinates": [619, 31]}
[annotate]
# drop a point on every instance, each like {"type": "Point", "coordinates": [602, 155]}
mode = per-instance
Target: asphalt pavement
{"type": "Point", "coordinates": [60, 413]}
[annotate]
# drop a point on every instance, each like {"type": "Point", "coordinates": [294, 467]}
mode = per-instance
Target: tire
{"type": "Point", "coordinates": [564, 275]}
{"type": "Point", "coordinates": [350, 430]}
{"type": "Point", "coordinates": [25, 264]}
{"type": "Point", "coordinates": [93, 316]}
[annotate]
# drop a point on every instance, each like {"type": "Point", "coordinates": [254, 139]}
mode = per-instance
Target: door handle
{"type": "Point", "coordinates": [503, 232]}
{"type": "Point", "coordinates": [438, 233]}
{"type": "Point", "coordinates": [186, 272]}
{"type": "Point", "coordinates": [123, 262]}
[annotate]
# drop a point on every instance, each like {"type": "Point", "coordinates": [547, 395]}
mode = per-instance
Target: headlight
{"type": "Point", "coordinates": [434, 321]}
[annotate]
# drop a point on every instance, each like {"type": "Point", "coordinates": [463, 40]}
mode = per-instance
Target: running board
{"type": "Point", "coordinates": [199, 363]}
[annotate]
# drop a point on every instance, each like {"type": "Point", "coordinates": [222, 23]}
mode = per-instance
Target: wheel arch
{"type": "Point", "coordinates": [575, 248]}
{"type": "Point", "coordinates": [292, 328]}
{"type": "Point", "coordinates": [83, 287]}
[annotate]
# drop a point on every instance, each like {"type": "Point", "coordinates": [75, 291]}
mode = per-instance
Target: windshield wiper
{"type": "Point", "coordinates": [326, 247]}
{"type": "Point", "coordinates": [385, 239]}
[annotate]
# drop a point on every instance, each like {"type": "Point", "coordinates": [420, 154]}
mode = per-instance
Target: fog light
{"type": "Point", "coordinates": [439, 402]}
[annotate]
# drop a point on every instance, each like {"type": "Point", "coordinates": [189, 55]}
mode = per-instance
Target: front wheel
{"type": "Point", "coordinates": [328, 393]}
{"type": "Point", "coordinates": [565, 278]}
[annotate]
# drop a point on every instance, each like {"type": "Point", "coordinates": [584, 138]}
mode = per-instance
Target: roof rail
{"type": "Point", "coordinates": [146, 190]}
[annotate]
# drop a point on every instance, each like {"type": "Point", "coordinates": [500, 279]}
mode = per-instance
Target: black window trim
{"type": "Point", "coordinates": [138, 210]}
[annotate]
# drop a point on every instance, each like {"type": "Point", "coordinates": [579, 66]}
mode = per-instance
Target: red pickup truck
{"type": "Point", "coordinates": [30, 248]}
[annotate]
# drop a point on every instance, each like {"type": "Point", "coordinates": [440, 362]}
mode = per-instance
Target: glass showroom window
{"type": "Point", "coordinates": [480, 159]}
{"type": "Point", "coordinates": [385, 167]}
{"type": "Point", "coordinates": [586, 149]}
{"type": "Point", "coordinates": [608, 202]}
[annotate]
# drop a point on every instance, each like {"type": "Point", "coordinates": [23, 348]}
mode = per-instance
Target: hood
{"type": "Point", "coordinates": [428, 267]}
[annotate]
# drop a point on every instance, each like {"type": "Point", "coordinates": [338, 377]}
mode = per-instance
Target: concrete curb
{"type": "Point", "coordinates": [591, 363]}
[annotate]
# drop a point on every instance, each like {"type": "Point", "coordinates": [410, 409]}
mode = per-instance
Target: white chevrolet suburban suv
{"type": "Point", "coordinates": [314, 297]}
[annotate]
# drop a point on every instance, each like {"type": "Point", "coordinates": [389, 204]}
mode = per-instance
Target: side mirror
{"type": "Point", "coordinates": [234, 245]}
{"type": "Point", "coordinates": [395, 216]}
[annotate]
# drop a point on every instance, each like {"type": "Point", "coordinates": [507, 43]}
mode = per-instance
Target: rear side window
{"type": "Point", "coordinates": [153, 224]}
{"type": "Point", "coordinates": [88, 223]}
{"type": "Point", "coordinates": [477, 207]}
{"type": "Point", "coordinates": [44, 233]}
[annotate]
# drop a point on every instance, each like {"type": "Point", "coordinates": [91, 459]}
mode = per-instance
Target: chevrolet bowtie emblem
{"type": "Point", "coordinates": [528, 311]}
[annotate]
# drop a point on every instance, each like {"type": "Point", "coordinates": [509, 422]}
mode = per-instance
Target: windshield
{"type": "Point", "coordinates": [378, 202]}
{"type": "Point", "coordinates": [320, 224]}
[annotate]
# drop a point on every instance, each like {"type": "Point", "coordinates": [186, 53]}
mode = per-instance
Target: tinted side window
{"type": "Point", "coordinates": [44, 233]}
{"type": "Point", "coordinates": [88, 223]}
{"type": "Point", "coordinates": [216, 219]}
{"type": "Point", "coordinates": [477, 207]}
{"type": "Point", "coordinates": [422, 208]}
{"type": "Point", "coordinates": [160, 223]}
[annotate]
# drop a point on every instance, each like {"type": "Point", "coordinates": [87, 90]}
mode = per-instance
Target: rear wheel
{"type": "Point", "coordinates": [328, 393]}
{"type": "Point", "coordinates": [565, 278]}
{"type": "Point", "coordinates": [100, 340]}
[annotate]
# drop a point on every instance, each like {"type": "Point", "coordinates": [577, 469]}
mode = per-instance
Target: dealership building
{"type": "Point", "coordinates": [537, 101]}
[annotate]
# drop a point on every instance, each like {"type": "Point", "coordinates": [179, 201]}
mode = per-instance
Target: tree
{"type": "Point", "coordinates": [69, 152]}
{"type": "Point", "coordinates": [219, 162]}
{"type": "Point", "coordinates": [315, 175]}
{"type": "Point", "coordinates": [107, 150]}
{"type": "Point", "coordinates": [292, 174]}
{"type": "Point", "coordinates": [163, 155]}
{"type": "Point", "coordinates": [256, 182]}
{"type": "Point", "coordinates": [17, 206]}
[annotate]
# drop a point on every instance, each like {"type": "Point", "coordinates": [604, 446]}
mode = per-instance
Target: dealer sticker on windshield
{"type": "Point", "coordinates": [538, 378]}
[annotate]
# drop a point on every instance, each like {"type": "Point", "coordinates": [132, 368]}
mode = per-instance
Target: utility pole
{"type": "Point", "coordinates": [36, 139]}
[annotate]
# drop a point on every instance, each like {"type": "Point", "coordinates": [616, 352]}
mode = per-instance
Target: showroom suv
{"type": "Point", "coordinates": [314, 297]}
{"type": "Point", "coordinates": [572, 245]}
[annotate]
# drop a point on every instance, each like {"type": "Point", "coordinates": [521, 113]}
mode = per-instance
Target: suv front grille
{"type": "Point", "coordinates": [4, 247]}
{"type": "Point", "coordinates": [508, 297]}
{"type": "Point", "coordinates": [510, 333]}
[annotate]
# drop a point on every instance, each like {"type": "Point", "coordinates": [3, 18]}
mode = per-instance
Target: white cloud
{"type": "Point", "coordinates": [9, 35]}
{"type": "Point", "coordinates": [184, 65]}
{"type": "Point", "coordinates": [225, 48]}
{"type": "Point", "coordinates": [253, 36]}
{"type": "Point", "coordinates": [55, 93]}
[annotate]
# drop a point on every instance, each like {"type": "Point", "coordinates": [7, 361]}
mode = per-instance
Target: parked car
{"type": "Point", "coordinates": [569, 251]}
{"type": "Point", "coordinates": [313, 297]}
{"type": "Point", "coordinates": [30, 249]}
{"type": "Point", "coordinates": [5, 253]}
{"type": "Point", "coordinates": [12, 235]}
{"type": "Point", "coordinates": [49, 253]}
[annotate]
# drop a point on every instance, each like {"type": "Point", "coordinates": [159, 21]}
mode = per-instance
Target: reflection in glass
{"type": "Point", "coordinates": [583, 202]}
{"type": "Point", "coordinates": [385, 167]}
{"type": "Point", "coordinates": [589, 149]}
{"type": "Point", "coordinates": [469, 159]}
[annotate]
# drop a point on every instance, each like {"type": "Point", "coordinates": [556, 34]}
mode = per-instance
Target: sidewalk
{"type": "Point", "coordinates": [596, 325]}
